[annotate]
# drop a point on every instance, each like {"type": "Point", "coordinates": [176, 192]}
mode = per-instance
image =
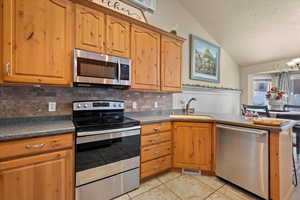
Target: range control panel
{"type": "Point", "coordinates": [98, 105]}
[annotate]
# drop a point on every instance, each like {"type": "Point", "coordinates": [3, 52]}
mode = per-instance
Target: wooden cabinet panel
{"type": "Point", "coordinates": [155, 151]}
{"type": "Point", "coordinates": [155, 166]}
{"type": "Point", "coordinates": [193, 145]}
{"type": "Point", "coordinates": [155, 128]}
{"type": "Point", "coordinates": [117, 37]}
{"type": "Point", "coordinates": [1, 40]}
{"type": "Point", "coordinates": [90, 29]}
{"type": "Point", "coordinates": [171, 62]}
{"type": "Point", "coordinates": [155, 138]}
{"type": "Point", "coordinates": [35, 145]}
{"type": "Point", "coordinates": [37, 41]}
{"type": "Point", "coordinates": [47, 176]}
{"type": "Point", "coordinates": [145, 53]}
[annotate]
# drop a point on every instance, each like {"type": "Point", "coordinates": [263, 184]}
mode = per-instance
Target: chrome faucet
{"type": "Point", "coordinates": [187, 107]}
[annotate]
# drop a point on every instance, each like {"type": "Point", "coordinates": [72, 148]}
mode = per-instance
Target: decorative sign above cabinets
{"type": "Point", "coordinates": [123, 8]}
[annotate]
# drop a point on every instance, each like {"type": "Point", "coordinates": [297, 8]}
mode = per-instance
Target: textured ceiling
{"type": "Point", "coordinates": [252, 31]}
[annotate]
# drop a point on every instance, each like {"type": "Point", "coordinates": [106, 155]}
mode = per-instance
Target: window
{"type": "Point", "coordinates": [295, 93]}
{"type": "Point", "coordinates": [260, 89]}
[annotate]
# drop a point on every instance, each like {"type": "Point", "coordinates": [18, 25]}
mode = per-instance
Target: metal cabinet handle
{"type": "Point", "coordinates": [35, 146]}
{"type": "Point", "coordinates": [8, 69]}
{"type": "Point", "coordinates": [156, 129]}
{"type": "Point", "coordinates": [155, 167]}
{"type": "Point", "coordinates": [157, 151]}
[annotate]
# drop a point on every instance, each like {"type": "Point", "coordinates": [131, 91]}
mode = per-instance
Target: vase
{"type": "Point", "coordinates": [276, 104]}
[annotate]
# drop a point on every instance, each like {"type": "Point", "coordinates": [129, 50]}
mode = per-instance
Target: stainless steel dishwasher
{"type": "Point", "coordinates": [242, 158]}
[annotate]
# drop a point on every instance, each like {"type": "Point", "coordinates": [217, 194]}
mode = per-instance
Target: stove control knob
{"type": "Point", "coordinates": [114, 105]}
{"type": "Point", "coordinates": [79, 106]}
{"type": "Point", "coordinates": [85, 105]}
{"type": "Point", "coordinates": [120, 105]}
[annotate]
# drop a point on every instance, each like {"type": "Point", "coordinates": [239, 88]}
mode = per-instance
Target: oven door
{"type": "Point", "coordinates": [106, 154]}
{"type": "Point", "coordinates": [93, 68]}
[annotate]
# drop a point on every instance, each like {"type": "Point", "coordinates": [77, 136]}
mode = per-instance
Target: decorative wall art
{"type": "Point", "coordinates": [205, 60]}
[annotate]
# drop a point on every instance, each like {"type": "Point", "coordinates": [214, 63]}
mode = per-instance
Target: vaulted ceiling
{"type": "Point", "coordinates": [252, 31]}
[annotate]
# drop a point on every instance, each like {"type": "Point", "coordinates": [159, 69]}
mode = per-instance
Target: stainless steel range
{"type": "Point", "coordinates": [107, 150]}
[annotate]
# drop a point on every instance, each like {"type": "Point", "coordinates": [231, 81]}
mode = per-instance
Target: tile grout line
{"type": "Point", "coordinates": [147, 190]}
{"type": "Point", "coordinates": [178, 197]}
{"type": "Point", "coordinates": [215, 192]}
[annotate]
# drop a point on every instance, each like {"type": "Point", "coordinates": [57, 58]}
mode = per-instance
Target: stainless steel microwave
{"type": "Point", "coordinates": [98, 69]}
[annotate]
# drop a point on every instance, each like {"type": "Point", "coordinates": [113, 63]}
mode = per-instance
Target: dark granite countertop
{"type": "Point", "coordinates": [236, 120]}
{"type": "Point", "coordinates": [20, 128]}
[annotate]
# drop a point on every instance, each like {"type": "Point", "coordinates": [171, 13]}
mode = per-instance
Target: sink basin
{"type": "Point", "coordinates": [203, 117]}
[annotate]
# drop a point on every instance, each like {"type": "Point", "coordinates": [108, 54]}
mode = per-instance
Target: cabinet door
{"type": "Point", "coordinates": [47, 177]}
{"type": "Point", "coordinates": [90, 29]}
{"type": "Point", "coordinates": [145, 51]}
{"type": "Point", "coordinates": [117, 37]}
{"type": "Point", "coordinates": [37, 41]}
{"type": "Point", "coordinates": [192, 146]}
{"type": "Point", "coordinates": [171, 62]}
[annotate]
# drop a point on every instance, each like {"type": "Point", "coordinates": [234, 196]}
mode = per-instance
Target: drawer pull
{"type": "Point", "coordinates": [157, 152]}
{"type": "Point", "coordinates": [156, 129]}
{"type": "Point", "coordinates": [35, 146]}
{"type": "Point", "coordinates": [155, 167]}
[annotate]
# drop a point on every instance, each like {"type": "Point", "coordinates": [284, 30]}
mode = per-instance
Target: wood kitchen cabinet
{"type": "Point", "coordinates": [90, 29]}
{"type": "Point", "coordinates": [171, 63]}
{"type": "Point", "coordinates": [192, 143]}
{"type": "Point", "coordinates": [37, 41]}
{"type": "Point", "coordinates": [117, 37]}
{"type": "Point", "coordinates": [145, 53]}
{"type": "Point", "coordinates": [39, 168]}
{"type": "Point", "coordinates": [101, 33]}
{"type": "Point", "coordinates": [156, 149]}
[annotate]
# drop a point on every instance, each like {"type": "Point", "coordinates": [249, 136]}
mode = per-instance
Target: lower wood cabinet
{"type": "Point", "coordinates": [156, 149]}
{"type": "Point", "coordinates": [43, 175]}
{"type": "Point", "coordinates": [192, 143]}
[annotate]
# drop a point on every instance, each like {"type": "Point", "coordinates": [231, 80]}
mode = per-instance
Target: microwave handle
{"type": "Point", "coordinates": [119, 70]}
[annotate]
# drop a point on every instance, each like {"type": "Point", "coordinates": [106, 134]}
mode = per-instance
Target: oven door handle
{"type": "Point", "coordinates": [94, 136]}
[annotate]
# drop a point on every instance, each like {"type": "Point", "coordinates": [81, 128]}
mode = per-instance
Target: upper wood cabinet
{"type": "Point", "coordinates": [171, 62]}
{"type": "Point", "coordinates": [192, 144]}
{"type": "Point", "coordinates": [145, 53]}
{"type": "Point", "coordinates": [90, 29]}
{"type": "Point", "coordinates": [117, 37]}
{"type": "Point", "coordinates": [37, 41]}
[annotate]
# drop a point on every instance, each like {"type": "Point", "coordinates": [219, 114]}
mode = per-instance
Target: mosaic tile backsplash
{"type": "Point", "coordinates": [28, 101]}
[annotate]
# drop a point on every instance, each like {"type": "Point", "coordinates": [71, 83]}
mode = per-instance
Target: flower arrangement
{"type": "Point", "coordinates": [275, 94]}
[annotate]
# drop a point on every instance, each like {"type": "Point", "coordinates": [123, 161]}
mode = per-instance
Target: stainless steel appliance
{"type": "Point", "coordinates": [242, 158]}
{"type": "Point", "coordinates": [94, 69]}
{"type": "Point", "coordinates": [107, 150]}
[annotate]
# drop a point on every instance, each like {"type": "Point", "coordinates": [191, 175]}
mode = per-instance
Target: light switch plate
{"type": "Point", "coordinates": [155, 104]}
{"type": "Point", "coordinates": [134, 105]}
{"type": "Point", "coordinates": [52, 106]}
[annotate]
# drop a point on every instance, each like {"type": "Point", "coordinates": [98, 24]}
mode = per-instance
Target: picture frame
{"type": "Point", "coordinates": [204, 60]}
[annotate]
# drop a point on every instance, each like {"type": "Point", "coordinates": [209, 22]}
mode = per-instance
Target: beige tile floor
{"type": "Point", "coordinates": [175, 186]}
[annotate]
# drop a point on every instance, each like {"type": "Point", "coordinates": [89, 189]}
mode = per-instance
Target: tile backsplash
{"type": "Point", "coordinates": [29, 101]}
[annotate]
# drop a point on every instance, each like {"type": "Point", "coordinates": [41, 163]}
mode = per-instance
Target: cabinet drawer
{"type": "Point", "coordinates": [155, 151]}
{"type": "Point", "coordinates": [155, 166]}
{"type": "Point", "coordinates": [155, 138]}
{"type": "Point", "coordinates": [155, 128]}
{"type": "Point", "coordinates": [35, 145]}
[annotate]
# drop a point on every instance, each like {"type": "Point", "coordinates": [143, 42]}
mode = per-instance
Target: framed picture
{"type": "Point", "coordinates": [205, 60]}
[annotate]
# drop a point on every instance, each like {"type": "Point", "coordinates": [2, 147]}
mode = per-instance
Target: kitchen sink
{"type": "Point", "coordinates": [201, 117]}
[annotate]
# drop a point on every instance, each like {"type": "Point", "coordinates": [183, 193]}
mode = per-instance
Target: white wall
{"type": "Point", "coordinates": [209, 100]}
{"type": "Point", "coordinates": [171, 12]}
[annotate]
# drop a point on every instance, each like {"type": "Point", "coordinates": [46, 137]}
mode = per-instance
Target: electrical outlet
{"type": "Point", "coordinates": [155, 104]}
{"type": "Point", "coordinates": [134, 105]}
{"type": "Point", "coordinates": [52, 106]}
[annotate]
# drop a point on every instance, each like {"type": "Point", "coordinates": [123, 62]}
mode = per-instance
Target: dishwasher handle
{"type": "Point", "coordinates": [242, 129]}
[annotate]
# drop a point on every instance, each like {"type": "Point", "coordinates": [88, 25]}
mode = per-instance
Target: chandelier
{"type": "Point", "coordinates": [294, 64]}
